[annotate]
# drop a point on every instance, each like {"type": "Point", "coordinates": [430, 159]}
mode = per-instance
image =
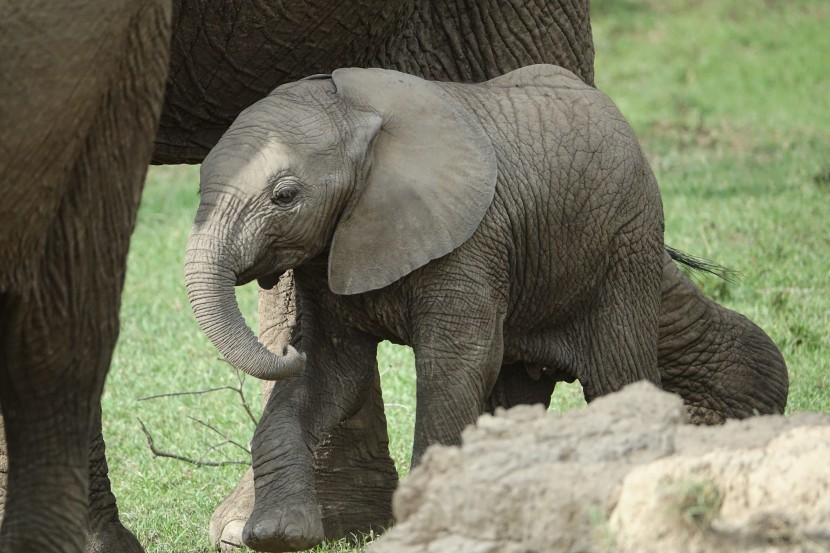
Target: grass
{"type": "Point", "coordinates": [729, 99]}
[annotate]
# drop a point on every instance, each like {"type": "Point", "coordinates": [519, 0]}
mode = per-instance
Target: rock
{"type": "Point", "coordinates": [625, 474]}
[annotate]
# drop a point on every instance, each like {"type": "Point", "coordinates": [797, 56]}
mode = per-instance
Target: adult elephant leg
{"type": "Point", "coordinates": [720, 362]}
{"type": "Point", "coordinates": [48, 420]}
{"type": "Point", "coordinates": [106, 533]}
{"type": "Point", "coordinates": [49, 389]}
{"type": "Point", "coordinates": [78, 141]}
{"type": "Point", "coordinates": [4, 468]}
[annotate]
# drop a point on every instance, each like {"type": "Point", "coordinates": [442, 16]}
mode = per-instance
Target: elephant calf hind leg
{"type": "Point", "coordinates": [717, 360]}
{"type": "Point", "coordinates": [619, 346]}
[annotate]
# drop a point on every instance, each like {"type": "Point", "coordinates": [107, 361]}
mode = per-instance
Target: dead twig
{"type": "Point", "coordinates": [240, 377]}
{"type": "Point", "coordinates": [189, 393]}
{"type": "Point", "coordinates": [243, 401]}
{"type": "Point", "coordinates": [198, 462]}
{"type": "Point", "coordinates": [201, 462]}
{"type": "Point", "coordinates": [222, 435]}
{"type": "Point", "coordinates": [238, 390]}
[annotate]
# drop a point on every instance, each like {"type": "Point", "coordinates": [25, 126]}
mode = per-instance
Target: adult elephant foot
{"type": "Point", "coordinates": [110, 537]}
{"type": "Point", "coordinates": [106, 533]}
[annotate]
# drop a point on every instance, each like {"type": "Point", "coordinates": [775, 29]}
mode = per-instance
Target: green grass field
{"type": "Point", "coordinates": [731, 100]}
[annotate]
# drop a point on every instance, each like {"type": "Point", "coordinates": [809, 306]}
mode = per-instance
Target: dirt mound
{"type": "Point", "coordinates": [625, 474]}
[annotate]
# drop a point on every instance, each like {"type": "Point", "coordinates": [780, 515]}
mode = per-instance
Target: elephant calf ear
{"type": "Point", "coordinates": [432, 178]}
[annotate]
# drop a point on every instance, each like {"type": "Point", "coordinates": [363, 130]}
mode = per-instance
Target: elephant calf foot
{"type": "Point", "coordinates": [704, 416]}
{"type": "Point", "coordinates": [289, 528]}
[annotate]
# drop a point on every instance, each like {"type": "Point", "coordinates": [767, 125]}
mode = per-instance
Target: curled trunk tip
{"type": "Point", "coordinates": [210, 290]}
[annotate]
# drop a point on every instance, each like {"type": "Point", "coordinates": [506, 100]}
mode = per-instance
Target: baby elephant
{"type": "Point", "coordinates": [511, 223]}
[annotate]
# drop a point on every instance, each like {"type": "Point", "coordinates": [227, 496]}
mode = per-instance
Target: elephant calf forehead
{"type": "Point", "coordinates": [293, 119]}
{"type": "Point", "coordinates": [273, 137]}
{"type": "Point", "coordinates": [256, 161]}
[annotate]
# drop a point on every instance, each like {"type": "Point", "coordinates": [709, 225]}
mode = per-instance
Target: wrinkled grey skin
{"type": "Point", "coordinates": [454, 40]}
{"type": "Point", "coordinates": [223, 57]}
{"type": "Point", "coordinates": [720, 362]}
{"type": "Point", "coordinates": [81, 92]}
{"type": "Point", "coordinates": [510, 223]}
{"type": "Point", "coordinates": [226, 57]}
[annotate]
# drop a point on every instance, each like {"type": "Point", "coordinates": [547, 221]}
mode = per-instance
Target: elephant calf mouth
{"type": "Point", "coordinates": [265, 282]}
{"type": "Point", "coordinates": [269, 281]}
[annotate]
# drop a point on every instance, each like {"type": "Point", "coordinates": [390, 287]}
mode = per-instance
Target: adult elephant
{"type": "Point", "coordinates": [81, 88]}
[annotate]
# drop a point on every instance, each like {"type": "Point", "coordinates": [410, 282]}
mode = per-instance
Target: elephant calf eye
{"type": "Point", "coordinates": [283, 195]}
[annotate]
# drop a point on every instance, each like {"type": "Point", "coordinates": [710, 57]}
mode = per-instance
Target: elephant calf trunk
{"type": "Point", "coordinates": [210, 289]}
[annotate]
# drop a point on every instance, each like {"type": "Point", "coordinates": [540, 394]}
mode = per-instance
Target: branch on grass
{"type": "Point", "coordinates": [221, 435]}
{"type": "Point", "coordinates": [238, 390]}
{"type": "Point", "coordinates": [198, 462]}
{"type": "Point", "coordinates": [189, 393]}
{"type": "Point", "coordinates": [240, 377]}
{"type": "Point", "coordinates": [201, 462]}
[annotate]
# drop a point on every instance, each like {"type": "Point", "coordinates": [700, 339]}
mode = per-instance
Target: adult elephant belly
{"type": "Point", "coordinates": [225, 56]}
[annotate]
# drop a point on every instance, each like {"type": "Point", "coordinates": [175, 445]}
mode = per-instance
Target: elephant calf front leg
{"type": "Point", "coordinates": [310, 480]}
{"type": "Point", "coordinates": [353, 473]}
{"type": "Point", "coordinates": [457, 366]}
{"type": "Point", "coordinates": [354, 478]}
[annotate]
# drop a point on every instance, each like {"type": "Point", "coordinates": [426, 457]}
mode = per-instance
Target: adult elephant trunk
{"type": "Point", "coordinates": [210, 281]}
